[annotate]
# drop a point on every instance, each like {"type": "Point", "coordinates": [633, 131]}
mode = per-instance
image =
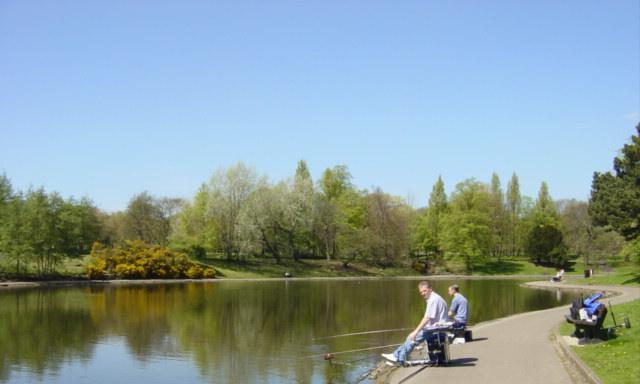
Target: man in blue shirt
{"type": "Point", "coordinates": [459, 307]}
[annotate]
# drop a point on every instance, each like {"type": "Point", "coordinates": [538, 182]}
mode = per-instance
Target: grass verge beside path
{"type": "Point", "coordinates": [628, 274]}
{"type": "Point", "coordinates": [616, 360]}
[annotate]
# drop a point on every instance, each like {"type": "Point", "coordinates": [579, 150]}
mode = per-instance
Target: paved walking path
{"type": "Point", "coordinates": [516, 349]}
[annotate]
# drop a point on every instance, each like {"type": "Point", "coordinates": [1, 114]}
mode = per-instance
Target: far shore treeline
{"type": "Point", "coordinates": [239, 215]}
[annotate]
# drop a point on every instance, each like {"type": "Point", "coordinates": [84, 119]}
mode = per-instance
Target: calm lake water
{"type": "Point", "coordinates": [224, 332]}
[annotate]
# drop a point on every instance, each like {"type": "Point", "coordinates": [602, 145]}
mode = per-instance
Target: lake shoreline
{"type": "Point", "coordinates": [8, 285]}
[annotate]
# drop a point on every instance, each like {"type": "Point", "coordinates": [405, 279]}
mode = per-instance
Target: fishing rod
{"type": "Point", "coordinates": [361, 333]}
{"type": "Point", "coordinates": [627, 324]}
{"type": "Point", "coordinates": [331, 355]}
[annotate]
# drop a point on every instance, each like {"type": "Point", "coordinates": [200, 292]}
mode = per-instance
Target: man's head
{"type": "Point", "coordinates": [453, 289]}
{"type": "Point", "coordinates": [424, 287]}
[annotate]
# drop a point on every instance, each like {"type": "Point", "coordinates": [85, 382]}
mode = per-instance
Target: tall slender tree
{"type": "Point", "coordinates": [498, 217]}
{"type": "Point", "coordinates": [333, 184]}
{"type": "Point", "coordinates": [427, 231]}
{"type": "Point", "coordinates": [299, 212]}
{"type": "Point", "coordinates": [514, 202]}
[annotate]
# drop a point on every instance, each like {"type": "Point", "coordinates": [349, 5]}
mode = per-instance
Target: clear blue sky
{"type": "Point", "coordinates": [107, 99]}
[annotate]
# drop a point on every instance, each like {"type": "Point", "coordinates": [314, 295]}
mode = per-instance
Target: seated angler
{"type": "Point", "coordinates": [459, 307]}
{"type": "Point", "coordinates": [436, 313]}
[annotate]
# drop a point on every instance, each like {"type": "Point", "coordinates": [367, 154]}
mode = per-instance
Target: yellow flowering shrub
{"type": "Point", "coordinates": [137, 260]}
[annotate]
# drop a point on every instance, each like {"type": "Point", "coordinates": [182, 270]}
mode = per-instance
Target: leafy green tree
{"type": "Point", "coordinates": [615, 197]}
{"type": "Point", "coordinates": [38, 228]}
{"type": "Point", "coordinates": [353, 238]}
{"type": "Point", "coordinates": [6, 195]}
{"type": "Point", "coordinates": [545, 244]}
{"type": "Point", "coordinates": [333, 183]}
{"type": "Point", "coordinates": [79, 227]}
{"type": "Point", "coordinates": [229, 191]}
{"type": "Point", "coordinates": [426, 234]}
{"type": "Point", "coordinates": [194, 227]}
{"type": "Point", "coordinates": [146, 221]}
{"type": "Point", "coordinates": [582, 237]}
{"type": "Point", "coordinates": [388, 224]}
{"type": "Point", "coordinates": [113, 227]}
{"type": "Point", "coordinates": [467, 226]}
{"type": "Point", "coordinates": [299, 212]}
{"type": "Point", "coordinates": [499, 218]}
{"type": "Point", "coordinates": [263, 221]}
{"type": "Point", "coordinates": [514, 210]}
{"type": "Point", "coordinates": [631, 251]}
{"type": "Point", "coordinates": [6, 192]}
{"type": "Point", "coordinates": [545, 239]}
{"type": "Point", "coordinates": [13, 244]}
{"type": "Point", "coordinates": [325, 228]}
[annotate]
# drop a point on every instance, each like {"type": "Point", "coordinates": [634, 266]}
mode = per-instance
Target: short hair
{"type": "Point", "coordinates": [424, 283]}
{"type": "Point", "coordinates": [455, 287]}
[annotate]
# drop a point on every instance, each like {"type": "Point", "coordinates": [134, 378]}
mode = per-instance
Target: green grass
{"type": "Point", "coordinates": [267, 268]}
{"type": "Point", "coordinates": [511, 266]}
{"type": "Point", "coordinates": [616, 360]}
{"type": "Point", "coordinates": [623, 274]}
{"type": "Point", "coordinates": [304, 268]}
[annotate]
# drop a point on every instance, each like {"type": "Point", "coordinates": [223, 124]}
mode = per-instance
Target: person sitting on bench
{"type": "Point", "coordinates": [459, 307]}
{"type": "Point", "coordinates": [436, 313]}
{"type": "Point", "coordinates": [558, 276]}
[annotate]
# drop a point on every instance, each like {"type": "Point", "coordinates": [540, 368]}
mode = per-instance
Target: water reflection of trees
{"type": "Point", "coordinates": [43, 329]}
{"type": "Point", "coordinates": [232, 332]}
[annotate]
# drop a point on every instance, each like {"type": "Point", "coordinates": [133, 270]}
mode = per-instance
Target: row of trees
{"type": "Point", "coordinates": [239, 214]}
{"type": "Point", "coordinates": [40, 229]}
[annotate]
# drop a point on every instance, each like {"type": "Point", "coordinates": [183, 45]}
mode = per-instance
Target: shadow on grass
{"type": "Point", "coordinates": [635, 279]}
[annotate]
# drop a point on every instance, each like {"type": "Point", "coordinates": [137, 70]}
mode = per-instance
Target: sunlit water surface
{"type": "Point", "coordinates": [225, 332]}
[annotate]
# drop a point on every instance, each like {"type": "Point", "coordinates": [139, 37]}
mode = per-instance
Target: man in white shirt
{"type": "Point", "coordinates": [436, 312]}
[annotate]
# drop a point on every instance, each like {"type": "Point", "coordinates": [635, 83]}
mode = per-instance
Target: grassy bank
{"type": "Point", "coordinates": [616, 360]}
{"type": "Point", "coordinates": [624, 274]}
{"type": "Point", "coordinates": [303, 268]}
{"type": "Point", "coordinates": [267, 268]}
{"type": "Point", "coordinates": [323, 268]}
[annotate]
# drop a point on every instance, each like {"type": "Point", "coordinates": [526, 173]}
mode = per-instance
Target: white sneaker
{"type": "Point", "coordinates": [390, 357]}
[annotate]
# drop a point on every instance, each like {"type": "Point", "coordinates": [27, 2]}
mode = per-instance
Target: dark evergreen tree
{"type": "Point", "coordinates": [615, 197]}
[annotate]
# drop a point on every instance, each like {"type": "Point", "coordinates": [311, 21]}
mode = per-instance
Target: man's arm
{"type": "Point", "coordinates": [425, 320]}
{"type": "Point", "coordinates": [454, 308]}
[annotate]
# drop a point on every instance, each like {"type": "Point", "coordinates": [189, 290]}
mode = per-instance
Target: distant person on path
{"type": "Point", "coordinates": [459, 307]}
{"type": "Point", "coordinates": [558, 276]}
{"type": "Point", "coordinates": [436, 313]}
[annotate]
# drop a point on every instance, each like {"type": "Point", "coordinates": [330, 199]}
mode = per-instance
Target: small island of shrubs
{"type": "Point", "coordinates": [137, 260]}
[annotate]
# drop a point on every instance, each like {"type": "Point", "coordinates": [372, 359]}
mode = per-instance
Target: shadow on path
{"type": "Point", "coordinates": [463, 362]}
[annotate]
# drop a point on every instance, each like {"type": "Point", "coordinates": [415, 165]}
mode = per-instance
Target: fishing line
{"type": "Point", "coordinates": [327, 356]}
{"type": "Point", "coordinates": [361, 333]}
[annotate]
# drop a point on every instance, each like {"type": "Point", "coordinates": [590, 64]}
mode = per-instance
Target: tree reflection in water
{"type": "Point", "coordinates": [227, 331]}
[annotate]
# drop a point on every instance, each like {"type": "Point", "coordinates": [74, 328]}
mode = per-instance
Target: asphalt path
{"type": "Point", "coordinates": [516, 349]}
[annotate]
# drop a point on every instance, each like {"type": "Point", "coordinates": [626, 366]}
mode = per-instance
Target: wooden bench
{"type": "Point", "coordinates": [589, 328]}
